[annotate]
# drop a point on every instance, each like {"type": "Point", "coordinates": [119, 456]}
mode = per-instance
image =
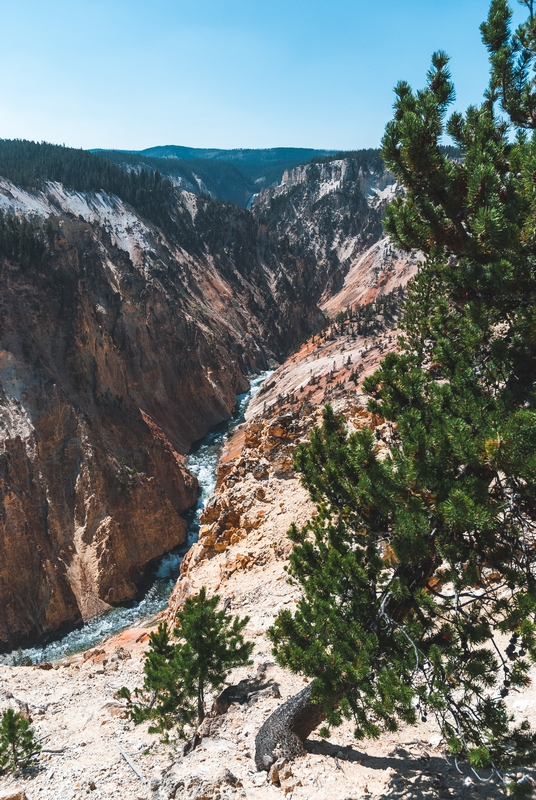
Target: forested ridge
{"type": "Point", "coordinates": [223, 180]}
{"type": "Point", "coordinates": [22, 240]}
{"type": "Point", "coordinates": [30, 165]}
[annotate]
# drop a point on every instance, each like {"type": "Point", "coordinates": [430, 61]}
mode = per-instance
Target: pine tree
{"type": "Point", "coordinates": [164, 698]}
{"type": "Point", "coordinates": [18, 747]}
{"type": "Point", "coordinates": [418, 573]}
{"type": "Point", "coordinates": [178, 674]}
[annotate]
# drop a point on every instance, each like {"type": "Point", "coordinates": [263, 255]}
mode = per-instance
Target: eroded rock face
{"type": "Point", "coordinates": [235, 515]}
{"type": "Point", "coordinates": [115, 355]}
{"type": "Point", "coordinates": [91, 489]}
{"type": "Point", "coordinates": [268, 448]}
{"type": "Point", "coordinates": [332, 212]}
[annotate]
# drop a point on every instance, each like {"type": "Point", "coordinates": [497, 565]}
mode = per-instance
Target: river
{"type": "Point", "coordinates": [203, 462]}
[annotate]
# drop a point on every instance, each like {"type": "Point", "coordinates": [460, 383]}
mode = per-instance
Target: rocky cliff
{"type": "Point", "coordinates": [330, 212]}
{"type": "Point", "coordinates": [117, 350]}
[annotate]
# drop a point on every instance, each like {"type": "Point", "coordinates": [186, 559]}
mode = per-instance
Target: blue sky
{"type": "Point", "coordinates": [131, 74]}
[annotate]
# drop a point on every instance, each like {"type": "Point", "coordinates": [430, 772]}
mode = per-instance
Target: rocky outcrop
{"type": "Point", "coordinates": [235, 516]}
{"type": "Point", "coordinates": [213, 788]}
{"type": "Point", "coordinates": [330, 213]}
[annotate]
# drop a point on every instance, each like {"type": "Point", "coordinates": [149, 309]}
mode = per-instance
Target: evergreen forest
{"type": "Point", "coordinates": [31, 164]}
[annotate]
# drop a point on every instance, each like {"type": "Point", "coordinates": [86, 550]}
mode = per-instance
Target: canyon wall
{"type": "Point", "coordinates": [331, 212]}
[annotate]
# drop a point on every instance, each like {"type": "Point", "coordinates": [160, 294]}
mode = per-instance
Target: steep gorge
{"type": "Point", "coordinates": [331, 211]}
{"type": "Point", "coordinates": [121, 348]}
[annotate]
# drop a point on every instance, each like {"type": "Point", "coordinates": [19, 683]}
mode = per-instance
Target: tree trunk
{"type": "Point", "coordinates": [283, 733]}
{"type": "Point", "coordinates": [200, 704]}
{"type": "Point", "coordinates": [285, 730]}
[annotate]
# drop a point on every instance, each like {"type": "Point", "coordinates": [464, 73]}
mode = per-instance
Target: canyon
{"type": "Point", "coordinates": [123, 345]}
{"type": "Point", "coordinates": [241, 555]}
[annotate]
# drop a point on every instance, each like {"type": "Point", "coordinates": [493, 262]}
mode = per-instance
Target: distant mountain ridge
{"type": "Point", "coordinates": [244, 155]}
{"type": "Point", "coordinates": [234, 175]}
{"type": "Point", "coordinates": [248, 155]}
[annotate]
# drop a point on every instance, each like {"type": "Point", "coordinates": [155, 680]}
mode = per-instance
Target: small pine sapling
{"type": "Point", "coordinates": [18, 746]}
{"type": "Point", "coordinates": [178, 673]}
{"type": "Point", "coordinates": [164, 698]}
